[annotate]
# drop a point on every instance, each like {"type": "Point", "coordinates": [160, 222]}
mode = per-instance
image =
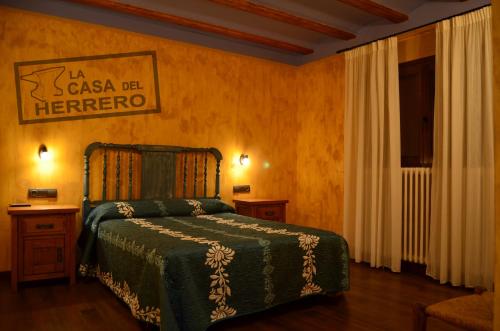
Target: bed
{"type": "Point", "coordinates": [157, 234]}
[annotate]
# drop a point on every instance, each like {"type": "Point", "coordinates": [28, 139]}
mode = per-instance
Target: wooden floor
{"type": "Point", "coordinates": [378, 300]}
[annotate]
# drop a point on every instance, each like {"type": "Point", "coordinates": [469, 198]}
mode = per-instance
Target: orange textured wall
{"type": "Point", "coordinates": [209, 98]}
{"type": "Point", "coordinates": [320, 143]}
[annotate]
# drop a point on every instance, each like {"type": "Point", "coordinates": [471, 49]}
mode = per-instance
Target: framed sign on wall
{"type": "Point", "coordinates": [87, 87]}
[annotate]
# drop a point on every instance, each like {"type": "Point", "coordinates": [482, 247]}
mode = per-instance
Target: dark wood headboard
{"type": "Point", "coordinates": [132, 172]}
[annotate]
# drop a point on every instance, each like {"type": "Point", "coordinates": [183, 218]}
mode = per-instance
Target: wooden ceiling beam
{"type": "Point", "coordinates": [376, 9]}
{"type": "Point", "coordinates": [197, 25]}
{"type": "Point", "coordinates": [278, 15]}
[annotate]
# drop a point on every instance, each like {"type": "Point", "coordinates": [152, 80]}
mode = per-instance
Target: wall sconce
{"type": "Point", "coordinates": [244, 160]}
{"type": "Point", "coordinates": [43, 153]}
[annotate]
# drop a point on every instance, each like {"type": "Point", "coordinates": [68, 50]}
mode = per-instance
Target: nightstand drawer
{"type": "Point", "coordinates": [270, 213]}
{"type": "Point", "coordinates": [267, 209]}
{"type": "Point", "coordinates": [43, 224]}
{"type": "Point", "coordinates": [244, 210]}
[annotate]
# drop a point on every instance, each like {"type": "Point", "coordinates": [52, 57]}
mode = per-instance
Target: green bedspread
{"type": "Point", "coordinates": [185, 264]}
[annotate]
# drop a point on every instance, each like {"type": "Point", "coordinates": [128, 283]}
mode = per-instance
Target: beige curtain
{"type": "Point", "coordinates": [461, 249]}
{"type": "Point", "coordinates": [372, 201]}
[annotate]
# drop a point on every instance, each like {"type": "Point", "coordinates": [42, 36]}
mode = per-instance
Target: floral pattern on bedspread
{"type": "Point", "coordinates": [122, 290]}
{"type": "Point", "coordinates": [186, 264]}
{"type": "Point", "coordinates": [198, 210]}
{"type": "Point", "coordinates": [306, 241]}
{"type": "Point", "coordinates": [218, 257]}
{"type": "Point", "coordinates": [125, 209]}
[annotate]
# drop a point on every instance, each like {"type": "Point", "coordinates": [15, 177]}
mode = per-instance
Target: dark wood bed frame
{"type": "Point", "coordinates": [149, 171]}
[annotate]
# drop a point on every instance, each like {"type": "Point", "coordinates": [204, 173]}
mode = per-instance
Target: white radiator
{"type": "Point", "coordinates": [416, 213]}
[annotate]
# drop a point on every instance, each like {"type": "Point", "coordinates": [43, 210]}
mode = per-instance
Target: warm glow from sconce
{"type": "Point", "coordinates": [244, 160]}
{"type": "Point", "coordinates": [43, 153]}
{"type": "Point", "coordinates": [266, 165]}
{"type": "Point", "coordinates": [44, 158]}
{"type": "Point", "coordinates": [239, 172]}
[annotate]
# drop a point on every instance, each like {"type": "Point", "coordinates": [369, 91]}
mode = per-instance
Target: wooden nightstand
{"type": "Point", "coordinates": [42, 242]}
{"type": "Point", "coordinates": [268, 209]}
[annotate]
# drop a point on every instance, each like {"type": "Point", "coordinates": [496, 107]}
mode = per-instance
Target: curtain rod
{"type": "Point", "coordinates": [418, 27]}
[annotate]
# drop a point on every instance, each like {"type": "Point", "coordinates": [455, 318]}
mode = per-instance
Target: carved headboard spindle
{"type": "Point", "coordinates": [117, 195]}
{"type": "Point", "coordinates": [205, 177]}
{"type": "Point", "coordinates": [104, 174]}
{"type": "Point", "coordinates": [86, 181]}
{"type": "Point", "coordinates": [195, 173]}
{"type": "Point", "coordinates": [184, 181]}
{"type": "Point", "coordinates": [130, 175]}
{"type": "Point", "coordinates": [217, 179]}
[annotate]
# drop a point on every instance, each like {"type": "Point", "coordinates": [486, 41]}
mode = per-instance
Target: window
{"type": "Point", "coordinates": [416, 93]}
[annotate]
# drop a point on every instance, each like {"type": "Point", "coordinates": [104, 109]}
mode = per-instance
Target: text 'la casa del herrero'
{"type": "Point", "coordinates": [91, 87]}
